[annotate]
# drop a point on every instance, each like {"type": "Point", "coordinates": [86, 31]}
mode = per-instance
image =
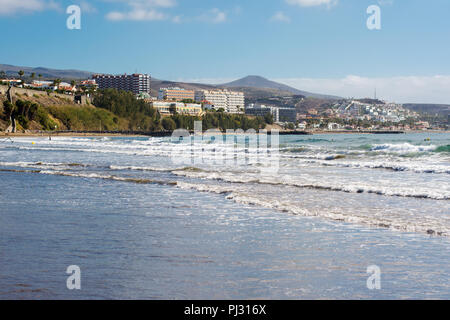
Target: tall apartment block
{"type": "Point", "coordinates": [136, 83]}
{"type": "Point", "coordinates": [230, 101]}
{"type": "Point", "coordinates": [261, 110]}
{"type": "Point", "coordinates": [175, 94]}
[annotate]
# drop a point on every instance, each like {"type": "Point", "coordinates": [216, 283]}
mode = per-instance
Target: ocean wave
{"type": "Point", "coordinates": [411, 192]}
{"type": "Point", "coordinates": [40, 164]}
{"type": "Point", "coordinates": [391, 164]}
{"type": "Point", "coordinates": [403, 148]}
{"type": "Point", "coordinates": [445, 148]}
{"type": "Point", "coordinates": [106, 177]}
{"type": "Point", "coordinates": [432, 227]}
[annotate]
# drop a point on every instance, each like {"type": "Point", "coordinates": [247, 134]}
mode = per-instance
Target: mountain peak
{"type": "Point", "coordinates": [255, 81]}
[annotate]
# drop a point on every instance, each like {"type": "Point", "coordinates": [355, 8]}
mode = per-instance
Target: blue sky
{"type": "Point", "coordinates": [317, 45]}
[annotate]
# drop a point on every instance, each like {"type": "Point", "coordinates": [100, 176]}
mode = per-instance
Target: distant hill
{"type": "Point", "coordinates": [156, 84]}
{"type": "Point", "coordinates": [46, 72]}
{"type": "Point", "coordinates": [261, 82]}
{"type": "Point", "coordinates": [432, 109]}
{"type": "Point", "coordinates": [254, 87]}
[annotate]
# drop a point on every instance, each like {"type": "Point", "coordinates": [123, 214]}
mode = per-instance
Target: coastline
{"type": "Point", "coordinates": [167, 134]}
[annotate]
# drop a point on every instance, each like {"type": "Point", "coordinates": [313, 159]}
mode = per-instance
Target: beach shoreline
{"type": "Point", "coordinates": [164, 134]}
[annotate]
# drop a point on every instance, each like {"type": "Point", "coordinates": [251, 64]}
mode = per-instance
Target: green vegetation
{"type": "Point", "coordinates": [85, 118]}
{"type": "Point", "coordinates": [224, 121]}
{"type": "Point", "coordinates": [124, 104]}
{"type": "Point", "coordinates": [30, 115]}
{"type": "Point", "coordinates": [115, 111]}
{"type": "Point", "coordinates": [25, 112]}
{"type": "Point", "coordinates": [142, 116]}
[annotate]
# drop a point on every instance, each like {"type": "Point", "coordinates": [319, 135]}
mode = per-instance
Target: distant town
{"type": "Point", "coordinates": [295, 112]}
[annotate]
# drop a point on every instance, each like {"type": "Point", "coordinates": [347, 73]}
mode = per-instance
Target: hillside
{"type": "Point", "coordinates": [254, 87]}
{"type": "Point", "coordinates": [46, 73]}
{"type": "Point", "coordinates": [43, 112]}
{"type": "Point", "coordinates": [156, 84]}
{"type": "Point", "coordinates": [263, 83]}
{"type": "Point", "coordinates": [111, 110]}
{"type": "Point", "coordinates": [431, 109]}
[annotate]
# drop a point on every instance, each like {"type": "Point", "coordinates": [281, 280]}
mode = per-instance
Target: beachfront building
{"type": "Point", "coordinates": [229, 101]}
{"type": "Point", "coordinates": [89, 84]}
{"type": "Point", "coordinates": [14, 82]}
{"type": "Point", "coordinates": [262, 110]}
{"type": "Point", "coordinates": [167, 107]}
{"type": "Point", "coordinates": [334, 126]}
{"type": "Point", "coordinates": [176, 94]}
{"type": "Point", "coordinates": [287, 114]}
{"type": "Point", "coordinates": [137, 83]}
{"type": "Point", "coordinates": [35, 84]}
{"type": "Point", "coordinates": [51, 85]}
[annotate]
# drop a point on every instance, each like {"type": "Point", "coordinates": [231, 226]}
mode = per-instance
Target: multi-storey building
{"type": "Point", "coordinates": [229, 101]}
{"type": "Point", "coordinates": [136, 83]}
{"type": "Point", "coordinates": [262, 110]}
{"type": "Point", "coordinates": [175, 94]}
{"type": "Point", "coordinates": [287, 114]}
{"type": "Point", "coordinates": [235, 102]}
{"type": "Point", "coordinates": [165, 107]}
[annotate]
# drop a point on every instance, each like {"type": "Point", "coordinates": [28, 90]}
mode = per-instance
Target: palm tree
{"type": "Point", "coordinates": [33, 75]}
{"type": "Point", "coordinates": [40, 76]}
{"type": "Point", "coordinates": [56, 83]}
{"type": "Point", "coordinates": [21, 73]}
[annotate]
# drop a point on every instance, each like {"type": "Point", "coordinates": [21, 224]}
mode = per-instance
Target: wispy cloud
{"type": "Point", "coordinates": [312, 3]}
{"type": "Point", "coordinates": [141, 10]}
{"type": "Point", "coordinates": [87, 7]}
{"type": "Point", "coordinates": [280, 17]}
{"type": "Point", "coordinates": [136, 15]}
{"type": "Point", "coordinates": [153, 10]}
{"type": "Point", "coordinates": [10, 7]}
{"type": "Point", "coordinates": [214, 16]}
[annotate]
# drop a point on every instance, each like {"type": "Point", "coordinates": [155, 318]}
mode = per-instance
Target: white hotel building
{"type": "Point", "coordinates": [230, 101]}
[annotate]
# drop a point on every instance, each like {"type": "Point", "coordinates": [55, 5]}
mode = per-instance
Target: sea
{"type": "Point", "coordinates": [225, 217]}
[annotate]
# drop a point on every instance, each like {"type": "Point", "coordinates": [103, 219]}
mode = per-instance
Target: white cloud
{"type": "Point", "coordinates": [214, 16]}
{"type": "Point", "coordinates": [141, 10]}
{"type": "Point", "coordinates": [8, 7]}
{"type": "Point", "coordinates": [424, 89]}
{"type": "Point", "coordinates": [86, 7]}
{"type": "Point", "coordinates": [385, 2]}
{"type": "Point", "coordinates": [136, 15]}
{"type": "Point", "coordinates": [152, 10]}
{"type": "Point", "coordinates": [312, 3]}
{"type": "Point", "coordinates": [147, 3]}
{"type": "Point", "coordinates": [177, 19]}
{"type": "Point", "coordinates": [280, 17]}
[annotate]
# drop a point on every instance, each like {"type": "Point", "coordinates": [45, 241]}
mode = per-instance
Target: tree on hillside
{"type": "Point", "coordinates": [268, 118]}
{"type": "Point", "coordinates": [21, 73]}
{"type": "Point", "coordinates": [122, 103]}
{"type": "Point", "coordinates": [173, 108]}
{"type": "Point", "coordinates": [8, 108]}
{"type": "Point", "coordinates": [57, 82]}
{"type": "Point", "coordinates": [168, 124]}
{"type": "Point", "coordinates": [2, 74]}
